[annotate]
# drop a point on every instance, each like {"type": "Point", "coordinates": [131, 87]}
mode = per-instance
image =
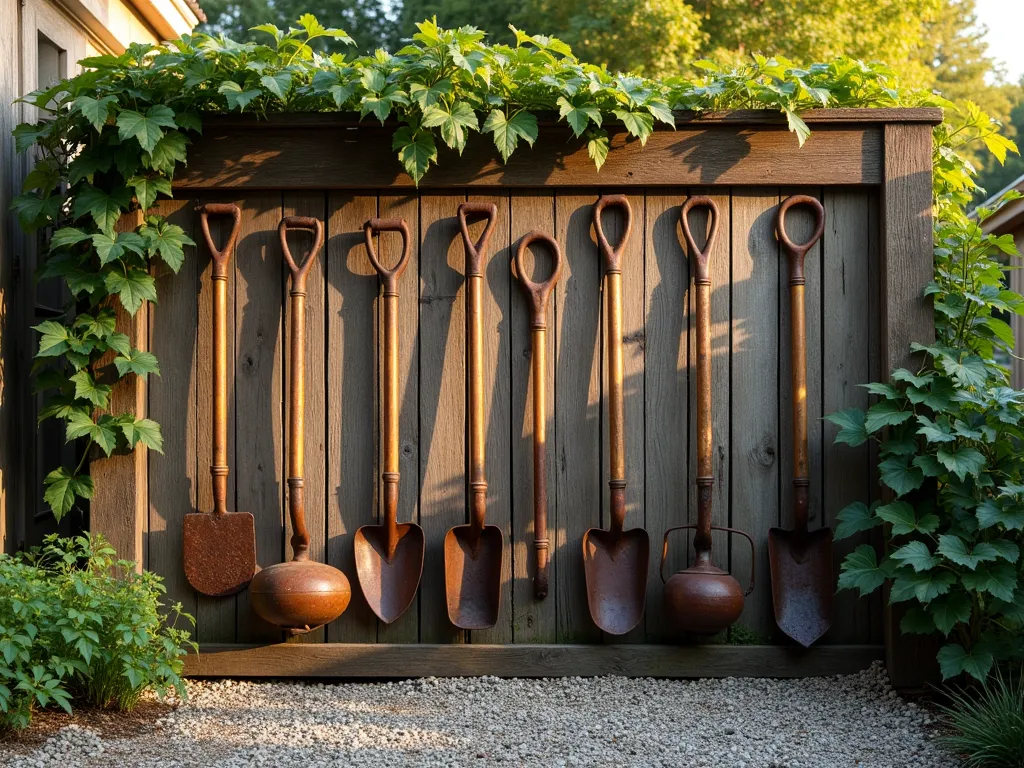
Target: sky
{"type": "Point", "coordinates": [1005, 22]}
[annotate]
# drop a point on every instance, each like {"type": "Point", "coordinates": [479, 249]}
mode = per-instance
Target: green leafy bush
{"type": "Point", "coordinates": [76, 626]}
{"type": "Point", "coordinates": [988, 723]}
{"type": "Point", "coordinates": [950, 438]}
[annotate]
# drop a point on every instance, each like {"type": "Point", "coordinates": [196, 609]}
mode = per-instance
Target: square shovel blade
{"type": "Point", "coordinates": [616, 572]}
{"type": "Point", "coordinates": [220, 552]}
{"type": "Point", "coordinates": [472, 576]}
{"type": "Point", "coordinates": [802, 586]}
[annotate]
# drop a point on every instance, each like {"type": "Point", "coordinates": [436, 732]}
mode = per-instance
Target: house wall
{"type": "Point", "coordinates": [41, 42]}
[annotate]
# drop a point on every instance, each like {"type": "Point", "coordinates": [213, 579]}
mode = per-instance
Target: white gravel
{"type": "Point", "coordinates": [611, 721]}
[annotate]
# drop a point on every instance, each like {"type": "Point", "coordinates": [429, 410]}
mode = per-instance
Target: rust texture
{"type": "Point", "coordinates": [703, 599]}
{"type": "Point", "coordinates": [473, 552]}
{"type": "Point", "coordinates": [220, 548]}
{"type": "Point", "coordinates": [538, 294]}
{"type": "Point", "coordinates": [801, 560]}
{"type": "Point", "coordinates": [615, 560]}
{"type": "Point", "coordinates": [302, 594]}
{"type": "Point", "coordinates": [389, 556]}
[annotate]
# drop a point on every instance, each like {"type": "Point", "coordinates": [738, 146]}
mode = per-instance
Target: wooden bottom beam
{"type": "Point", "coordinates": [347, 660]}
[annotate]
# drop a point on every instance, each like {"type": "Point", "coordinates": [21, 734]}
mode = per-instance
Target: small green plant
{"type": "Point", "coordinates": [79, 627]}
{"type": "Point", "coordinates": [987, 723]}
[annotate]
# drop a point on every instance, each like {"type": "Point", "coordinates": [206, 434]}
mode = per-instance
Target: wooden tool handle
{"type": "Point", "coordinates": [474, 319]}
{"type": "Point", "coordinates": [537, 294]}
{"type": "Point", "coordinates": [297, 378]}
{"type": "Point", "coordinates": [798, 349]}
{"type": "Point", "coordinates": [705, 437]}
{"type": "Point", "coordinates": [219, 275]}
{"type": "Point", "coordinates": [389, 281]}
{"type": "Point", "coordinates": [611, 257]}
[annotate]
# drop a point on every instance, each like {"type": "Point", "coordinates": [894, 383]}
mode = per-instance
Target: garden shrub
{"type": "Point", "coordinates": [79, 627]}
{"type": "Point", "coordinates": [988, 723]}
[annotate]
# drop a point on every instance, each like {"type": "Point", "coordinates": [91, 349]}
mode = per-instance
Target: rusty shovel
{"type": "Point", "coordinates": [801, 560]}
{"type": "Point", "coordinates": [389, 557]}
{"type": "Point", "coordinates": [537, 294]}
{"type": "Point", "coordinates": [473, 552]}
{"type": "Point", "coordinates": [220, 547]}
{"type": "Point", "coordinates": [615, 560]}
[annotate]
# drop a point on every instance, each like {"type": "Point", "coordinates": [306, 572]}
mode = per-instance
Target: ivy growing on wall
{"type": "Point", "coordinates": [112, 138]}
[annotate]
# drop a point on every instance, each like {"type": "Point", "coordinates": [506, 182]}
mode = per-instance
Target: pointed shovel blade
{"type": "Point", "coordinates": [802, 584]}
{"type": "Point", "coordinates": [389, 587]}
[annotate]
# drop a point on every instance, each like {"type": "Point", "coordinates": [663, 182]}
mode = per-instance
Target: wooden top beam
{"type": "Point", "coordinates": [751, 147]}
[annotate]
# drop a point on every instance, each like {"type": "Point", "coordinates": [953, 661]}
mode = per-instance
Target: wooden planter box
{"type": "Point", "coordinates": [870, 168]}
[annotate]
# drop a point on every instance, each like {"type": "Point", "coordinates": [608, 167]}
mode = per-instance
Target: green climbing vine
{"type": "Point", "coordinates": [112, 137]}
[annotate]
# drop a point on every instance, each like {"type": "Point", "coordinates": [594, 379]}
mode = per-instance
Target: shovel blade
{"type": "Point", "coordinates": [616, 571]}
{"type": "Point", "coordinates": [802, 584]}
{"type": "Point", "coordinates": [219, 552]}
{"type": "Point", "coordinates": [389, 587]}
{"type": "Point", "coordinates": [472, 576]}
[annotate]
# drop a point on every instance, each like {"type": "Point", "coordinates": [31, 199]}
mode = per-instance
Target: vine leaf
{"type": "Point", "coordinates": [954, 549]}
{"type": "Point", "coordinates": [917, 555]}
{"type": "Point", "coordinates": [62, 488]}
{"type": "Point", "coordinates": [994, 512]}
{"type": "Point", "coordinates": [954, 660]}
{"type": "Point", "coordinates": [53, 339]}
{"type": "Point", "coordinates": [998, 579]}
{"type": "Point", "coordinates": [429, 95]}
{"type": "Point", "coordinates": [854, 518]}
{"type": "Point", "coordinates": [110, 248]}
{"type": "Point", "coordinates": [138, 362]}
{"type": "Point", "coordinates": [851, 426]}
{"type": "Point", "coordinates": [143, 431]}
{"type": "Point", "coordinates": [236, 97]}
{"type": "Point", "coordinates": [101, 432]}
{"type": "Point", "coordinates": [578, 116]}
{"type": "Point", "coordinates": [885, 414]}
{"type": "Point", "coordinates": [862, 571]}
{"type": "Point", "coordinates": [147, 188]}
{"type": "Point", "coordinates": [924, 586]}
{"type": "Point", "coordinates": [104, 208]}
{"type": "Point", "coordinates": [508, 131]}
{"type": "Point", "coordinates": [167, 153]}
{"type": "Point", "coordinates": [950, 610]}
{"type": "Point", "coordinates": [899, 475]}
{"type": "Point", "coordinates": [167, 240]}
{"type": "Point", "coordinates": [146, 129]}
{"type": "Point", "coordinates": [903, 519]}
{"type": "Point", "coordinates": [86, 388]}
{"type": "Point", "coordinates": [597, 148]}
{"type": "Point", "coordinates": [133, 287]}
{"type": "Point", "coordinates": [638, 124]}
{"type": "Point", "coordinates": [278, 84]}
{"type": "Point", "coordinates": [96, 111]}
{"type": "Point", "coordinates": [453, 123]}
{"type": "Point", "coordinates": [962, 461]}
{"type": "Point", "coordinates": [416, 150]}
{"type": "Point", "coordinates": [66, 236]}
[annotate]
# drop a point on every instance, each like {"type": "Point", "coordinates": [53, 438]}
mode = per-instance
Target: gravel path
{"type": "Point", "coordinates": [732, 723]}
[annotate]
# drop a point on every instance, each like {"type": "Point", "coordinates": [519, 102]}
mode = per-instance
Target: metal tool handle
{"type": "Point", "coordinates": [705, 437]}
{"type": "Point", "coordinates": [297, 378]}
{"type": "Point", "coordinates": [538, 294]}
{"type": "Point", "coordinates": [798, 350]}
{"type": "Point", "coordinates": [612, 261]}
{"type": "Point", "coordinates": [219, 275]}
{"type": "Point", "coordinates": [389, 280]}
{"type": "Point", "coordinates": [753, 550]}
{"type": "Point", "coordinates": [474, 296]}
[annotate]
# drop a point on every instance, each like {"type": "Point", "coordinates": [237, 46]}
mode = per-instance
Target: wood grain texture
{"type": "Point", "coordinates": [215, 616]}
{"type": "Point", "coordinates": [633, 358]}
{"type": "Point", "coordinates": [352, 405]}
{"type": "Point", "coordinates": [406, 629]}
{"type": "Point", "coordinates": [847, 364]}
{"type": "Point", "coordinates": [754, 390]}
{"type": "Point", "coordinates": [259, 392]}
{"type": "Point", "coordinates": [497, 406]}
{"type": "Point", "coordinates": [374, 661]}
{"type": "Point", "coordinates": [234, 155]}
{"type": "Point", "coordinates": [174, 475]}
{"type": "Point", "coordinates": [443, 402]}
{"type": "Point", "coordinates": [666, 475]}
{"type": "Point", "coordinates": [316, 414]}
{"type": "Point", "coordinates": [578, 411]}
{"type": "Point", "coordinates": [533, 621]}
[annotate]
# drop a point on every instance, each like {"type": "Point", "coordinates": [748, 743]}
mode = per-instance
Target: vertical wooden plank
{"type": "Point", "coordinates": [847, 326]}
{"type": "Point", "coordinates": [666, 395]}
{"type": "Point", "coordinates": [216, 616]}
{"type": "Point", "coordinates": [577, 411]}
{"type": "Point", "coordinates": [800, 226]}
{"type": "Point", "coordinates": [533, 620]}
{"type": "Point", "coordinates": [173, 475]}
{"type": "Point", "coordinates": [906, 267]}
{"type": "Point", "coordinates": [633, 341]}
{"type": "Point", "coordinates": [259, 392]}
{"type": "Point", "coordinates": [874, 350]}
{"type": "Point", "coordinates": [314, 440]}
{"type": "Point", "coordinates": [498, 405]}
{"type": "Point", "coordinates": [442, 402]}
{"type": "Point", "coordinates": [406, 629]}
{"type": "Point", "coordinates": [352, 413]}
{"type": "Point", "coordinates": [119, 507]}
{"type": "Point", "coordinates": [754, 393]}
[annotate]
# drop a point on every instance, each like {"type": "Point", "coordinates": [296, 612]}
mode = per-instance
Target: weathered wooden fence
{"type": "Point", "coordinates": [870, 169]}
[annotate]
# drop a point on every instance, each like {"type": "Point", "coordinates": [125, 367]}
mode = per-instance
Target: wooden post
{"type": "Point", "coordinates": [120, 501]}
{"type": "Point", "coordinates": [907, 267]}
